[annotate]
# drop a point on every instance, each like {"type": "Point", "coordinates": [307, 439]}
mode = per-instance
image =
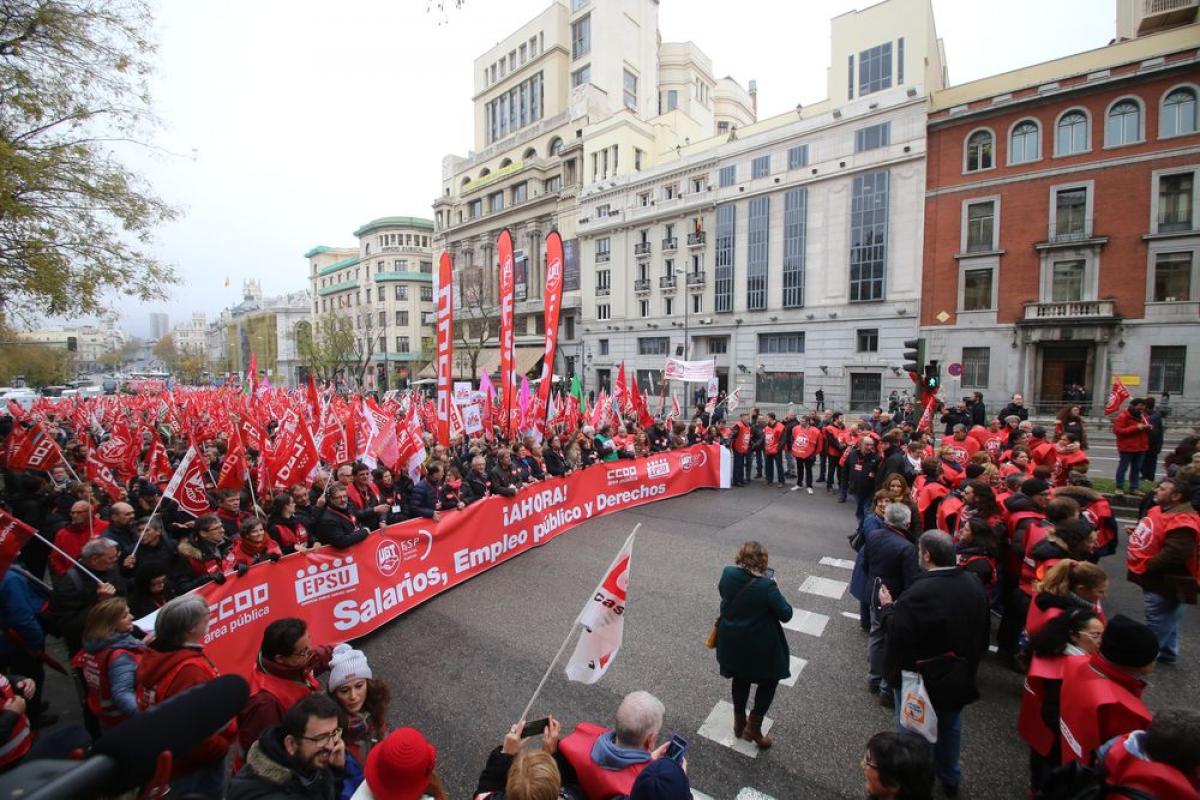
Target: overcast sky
{"type": "Point", "coordinates": [286, 124]}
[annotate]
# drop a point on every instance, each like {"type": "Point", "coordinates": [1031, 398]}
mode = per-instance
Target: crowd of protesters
{"type": "Point", "coordinates": [992, 516]}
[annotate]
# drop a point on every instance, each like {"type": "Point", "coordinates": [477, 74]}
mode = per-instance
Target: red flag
{"type": "Point", "coordinates": [158, 466]}
{"type": "Point", "coordinates": [187, 485]}
{"type": "Point", "coordinates": [621, 395]}
{"type": "Point", "coordinates": [253, 375]}
{"type": "Point", "coordinates": [97, 472]}
{"type": "Point", "coordinates": [445, 347]}
{"type": "Point", "coordinates": [233, 468]}
{"type": "Point", "coordinates": [410, 445]}
{"type": "Point", "coordinates": [508, 377]}
{"type": "Point", "coordinates": [553, 304]}
{"type": "Point", "coordinates": [17, 411]}
{"type": "Point", "coordinates": [333, 441]}
{"type": "Point", "coordinates": [13, 535]}
{"type": "Point", "coordinates": [1118, 395]}
{"type": "Point", "coordinates": [295, 453]}
{"type": "Point", "coordinates": [383, 445]}
{"type": "Point", "coordinates": [926, 423]}
{"type": "Point", "coordinates": [119, 452]}
{"type": "Point", "coordinates": [35, 451]}
{"type": "Point", "coordinates": [639, 405]}
{"type": "Point", "coordinates": [314, 403]}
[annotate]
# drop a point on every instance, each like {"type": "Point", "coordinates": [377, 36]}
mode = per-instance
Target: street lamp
{"type": "Point", "coordinates": [686, 311]}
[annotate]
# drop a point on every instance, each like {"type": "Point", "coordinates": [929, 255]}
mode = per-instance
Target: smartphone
{"type": "Point", "coordinates": [770, 573]}
{"type": "Point", "coordinates": [677, 748]}
{"type": "Point", "coordinates": [535, 727]}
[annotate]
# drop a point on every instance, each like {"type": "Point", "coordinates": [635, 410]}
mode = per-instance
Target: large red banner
{"type": "Point", "coordinates": [508, 378]}
{"type": "Point", "coordinates": [553, 300]}
{"type": "Point", "coordinates": [445, 347]}
{"type": "Point", "coordinates": [343, 594]}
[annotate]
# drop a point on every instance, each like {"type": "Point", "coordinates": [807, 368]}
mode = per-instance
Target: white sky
{"type": "Point", "coordinates": [292, 123]}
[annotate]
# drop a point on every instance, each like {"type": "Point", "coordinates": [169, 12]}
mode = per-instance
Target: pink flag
{"type": "Point", "coordinates": [523, 398]}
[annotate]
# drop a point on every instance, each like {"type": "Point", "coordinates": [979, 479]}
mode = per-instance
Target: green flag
{"type": "Point", "coordinates": [577, 391]}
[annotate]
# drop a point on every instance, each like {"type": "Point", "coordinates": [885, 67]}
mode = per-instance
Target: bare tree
{"type": "Point", "coordinates": [475, 324]}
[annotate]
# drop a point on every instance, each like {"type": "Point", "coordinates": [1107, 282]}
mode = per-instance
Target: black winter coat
{"type": "Point", "coordinates": [750, 640]}
{"type": "Point", "coordinates": [269, 775]}
{"type": "Point", "coordinates": [861, 471]}
{"type": "Point", "coordinates": [338, 529]}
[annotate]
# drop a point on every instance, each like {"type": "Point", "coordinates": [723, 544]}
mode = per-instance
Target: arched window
{"type": "Point", "coordinates": [466, 179]}
{"type": "Point", "coordinates": [483, 173]}
{"type": "Point", "coordinates": [1025, 143]}
{"type": "Point", "coordinates": [1124, 123]}
{"type": "Point", "coordinates": [505, 162]}
{"type": "Point", "coordinates": [979, 150]}
{"type": "Point", "coordinates": [1071, 134]}
{"type": "Point", "coordinates": [529, 153]}
{"type": "Point", "coordinates": [555, 146]}
{"type": "Point", "coordinates": [1178, 113]}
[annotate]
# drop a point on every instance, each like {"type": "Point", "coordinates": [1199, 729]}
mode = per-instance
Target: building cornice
{"type": "Point", "coordinates": [394, 222]}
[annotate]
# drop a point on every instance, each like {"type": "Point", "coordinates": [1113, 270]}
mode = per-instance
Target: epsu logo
{"type": "Point", "coordinates": [328, 579]}
{"type": "Point", "coordinates": [619, 475]}
{"type": "Point", "coordinates": [658, 468]}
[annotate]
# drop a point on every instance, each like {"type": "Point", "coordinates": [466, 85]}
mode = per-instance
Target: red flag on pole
{"type": "Point", "coordinates": [158, 466]}
{"type": "Point", "coordinates": [233, 468]}
{"type": "Point", "coordinates": [1118, 395]}
{"type": "Point", "coordinates": [97, 472]}
{"type": "Point", "coordinates": [445, 347]}
{"type": "Point", "coordinates": [13, 535]}
{"type": "Point", "coordinates": [508, 378]}
{"type": "Point", "coordinates": [553, 305]}
{"type": "Point", "coordinates": [621, 395]}
{"type": "Point", "coordinates": [314, 403]}
{"type": "Point", "coordinates": [36, 451]}
{"type": "Point", "coordinates": [187, 485]}
{"type": "Point", "coordinates": [253, 375]}
{"type": "Point", "coordinates": [926, 423]}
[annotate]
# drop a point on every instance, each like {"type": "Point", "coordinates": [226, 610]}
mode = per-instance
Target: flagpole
{"type": "Point", "coordinates": [567, 640]}
{"type": "Point", "coordinates": [149, 520]}
{"type": "Point", "coordinates": [68, 557]}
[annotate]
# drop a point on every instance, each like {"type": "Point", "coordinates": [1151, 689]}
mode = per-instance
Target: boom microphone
{"type": "Point", "coordinates": [125, 756]}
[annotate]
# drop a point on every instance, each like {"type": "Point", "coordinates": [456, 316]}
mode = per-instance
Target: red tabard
{"type": "Point", "coordinates": [286, 691]}
{"type": "Point", "coordinates": [596, 781]}
{"type": "Point", "coordinates": [741, 437]}
{"type": "Point", "coordinates": [947, 513]}
{"type": "Point", "coordinates": [1099, 513]}
{"type": "Point", "coordinates": [804, 442]}
{"type": "Point", "coordinates": [94, 668]}
{"type": "Point", "coordinates": [1064, 463]}
{"type": "Point", "coordinates": [1147, 539]}
{"type": "Point", "coordinates": [927, 492]}
{"type": "Point", "coordinates": [20, 740]}
{"type": "Point", "coordinates": [772, 438]}
{"type": "Point", "coordinates": [1016, 550]}
{"type": "Point", "coordinates": [1098, 702]}
{"type": "Point", "coordinates": [1042, 673]}
{"type": "Point", "coordinates": [1034, 534]}
{"type": "Point", "coordinates": [1123, 768]}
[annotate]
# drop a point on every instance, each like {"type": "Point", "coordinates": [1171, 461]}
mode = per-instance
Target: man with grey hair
{"type": "Point", "coordinates": [939, 623]}
{"type": "Point", "coordinates": [76, 591]}
{"type": "Point", "coordinates": [608, 761]}
{"type": "Point", "coordinates": [889, 560]}
{"type": "Point", "coordinates": [173, 663]}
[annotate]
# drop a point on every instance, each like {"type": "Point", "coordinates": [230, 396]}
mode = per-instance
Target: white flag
{"type": "Point", "coordinates": [603, 621]}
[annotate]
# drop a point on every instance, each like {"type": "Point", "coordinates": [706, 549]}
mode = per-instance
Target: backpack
{"type": "Point", "coordinates": [1074, 781]}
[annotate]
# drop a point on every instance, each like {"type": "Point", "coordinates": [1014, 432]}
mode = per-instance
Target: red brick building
{"type": "Point", "coordinates": [1062, 244]}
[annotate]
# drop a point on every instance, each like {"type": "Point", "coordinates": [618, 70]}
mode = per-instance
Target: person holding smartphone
{"type": "Point", "coordinates": [751, 647]}
{"type": "Point", "coordinates": [512, 770]}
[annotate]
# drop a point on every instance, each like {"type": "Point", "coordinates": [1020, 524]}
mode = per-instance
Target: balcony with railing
{"type": "Point", "coordinates": [1159, 15]}
{"type": "Point", "coordinates": [667, 282]}
{"type": "Point", "coordinates": [603, 258]}
{"type": "Point", "coordinates": [602, 291]}
{"type": "Point", "coordinates": [670, 245]}
{"type": "Point", "coordinates": [1070, 311]}
{"type": "Point", "coordinates": [642, 249]}
{"type": "Point", "coordinates": [696, 239]}
{"type": "Point", "coordinates": [641, 285]}
{"type": "Point", "coordinates": [1072, 232]}
{"type": "Point", "coordinates": [695, 280]}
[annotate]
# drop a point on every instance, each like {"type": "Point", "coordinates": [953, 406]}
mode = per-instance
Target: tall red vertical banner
{"type": "Point", "coordinates": [508, 378]}
{"type": "Point", "coordinates": [445, 346]}
{"type": "Point", "coordinates": [553, 305]}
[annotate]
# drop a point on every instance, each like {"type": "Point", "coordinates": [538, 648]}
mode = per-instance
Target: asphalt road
{"type": "Point", "coordinates": [462, 666]}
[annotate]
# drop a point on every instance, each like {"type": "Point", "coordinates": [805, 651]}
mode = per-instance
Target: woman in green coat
{"type": "Point", "coordinates": [751, 648]}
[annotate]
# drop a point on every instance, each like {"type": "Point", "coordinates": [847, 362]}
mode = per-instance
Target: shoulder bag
{"type": "Point", "coordinates": [710, 641]}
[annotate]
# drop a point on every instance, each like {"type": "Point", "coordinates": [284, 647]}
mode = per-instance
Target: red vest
{"type": "Point", "coordinates": [1098, 702]}
{"type": "Point", "coordinates": [772, 438]}
{"type": "Point", "coordinates": [1034, 534]}
{"type": "Point", "coordinates": [1123, 768]}
{"type": "Point", "coordinates": [1016, 546]}
{"type": "Point", "coordinates": [927, 493]}
{"type": "Point", "coordinates": [1099, 513]}
{"type": "Point", "coordinates": [804, 442]}
{"type": "Point", "coordinates": [597, 782]}
{"type": "Point", "coordinates": [947, 513]}
{"type": "Point", "coordinates": [1147, 539]}
{"type": "Point", "coordinates": [94, 668]}
{"type": "Point", "coordinates": [1043, 673]}
{"type": "Point", "coordinates": [1042, 454]}
{"type": "Point", "coordinates": [741, 437]}
{"type": "Point", "coordinates": [21, 739]}
{"type": "Point", "coordinates": [1064, 463]}
{"type": "Point", "coordinates": [287, 692]}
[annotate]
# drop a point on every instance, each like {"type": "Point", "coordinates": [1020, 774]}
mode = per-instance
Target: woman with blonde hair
{"type": "Point", "coordinates": [108, 661]}
{"type": "Point", "coordinates": [751, 647]}
{"type": "Point", "coordinates": [1068, 585]}
{"type": "Point", "coordinates": [513, 773]}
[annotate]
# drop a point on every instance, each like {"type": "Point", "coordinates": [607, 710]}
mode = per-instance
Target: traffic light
{"type": "Point", "coordinates": [914, 358]}
{"type": "Point", "coordinates": [932, 381]}
{"type": "Point", "coordinates": [381, 377]}
{"type": "Point", "coordinates": [72, 344]}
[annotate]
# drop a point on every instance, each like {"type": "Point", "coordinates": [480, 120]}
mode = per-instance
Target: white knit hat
{"type": "Point", "coordinates": [347, 665]}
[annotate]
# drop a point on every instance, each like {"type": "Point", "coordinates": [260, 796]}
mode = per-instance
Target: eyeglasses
{"type": "Point", "coordinates": [1095, 636]}
{"type": "Point", "coordinates": [325, 738]}
{"type": "Point", "coordinates": [869, 764]}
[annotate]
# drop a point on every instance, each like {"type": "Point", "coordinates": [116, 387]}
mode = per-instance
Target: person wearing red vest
{"type": "Point", "coordinates": [108, 662]}
{"type": "Point", "coordinates": [1101, 697]}
{"type": "Point", "coordinates": [1163, 558]}
{"type": "Point", "coordinates": [1095, 508]}
{"type": "Point", "coordinates": [1072, 636]}
{"type": "Point", "coordinates": [1025, 512]}
{"type": "Point", "coordinates": [1132, 430]}
{"type": "Point", "coordinates": [741, 435]}
{"type": "Point", "coordinates": [833, 434]}
{"type": "Point", "coordinates": [1041, 450]}
{"type": "Point", "coordinates": [1067, 586]}
{"type": "Point", "coordinates": [772, 434]}
{"type": "Point", "coordinates": [608, 761]}
{"type": "Point", "coordinates": [991, 439]}
{"type": "Point", "coordinates": [1068, 457]}
{"type": "Point", "coordinates": [1163, 760]}
{"type": "Point", "coordinates": [929, 492]}
{"type": "Point", "coordinates": [806, 440]}
{"type": "Point", "coordinates": [285, 673]}
{"type": "Point", "coordinates": [961, 446]}
{"type": "Point", "coordinates": [174, 662]}
{"type": "Point", "coordinates": [1015, 462]}
{"type": "Point", "coordinates": [16, 737]}
{"type": "Point", "coordinates": [253, 546]}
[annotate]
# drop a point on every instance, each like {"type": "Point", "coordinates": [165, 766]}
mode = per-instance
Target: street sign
{"type": "Point", "coordinates": [954, 369]}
